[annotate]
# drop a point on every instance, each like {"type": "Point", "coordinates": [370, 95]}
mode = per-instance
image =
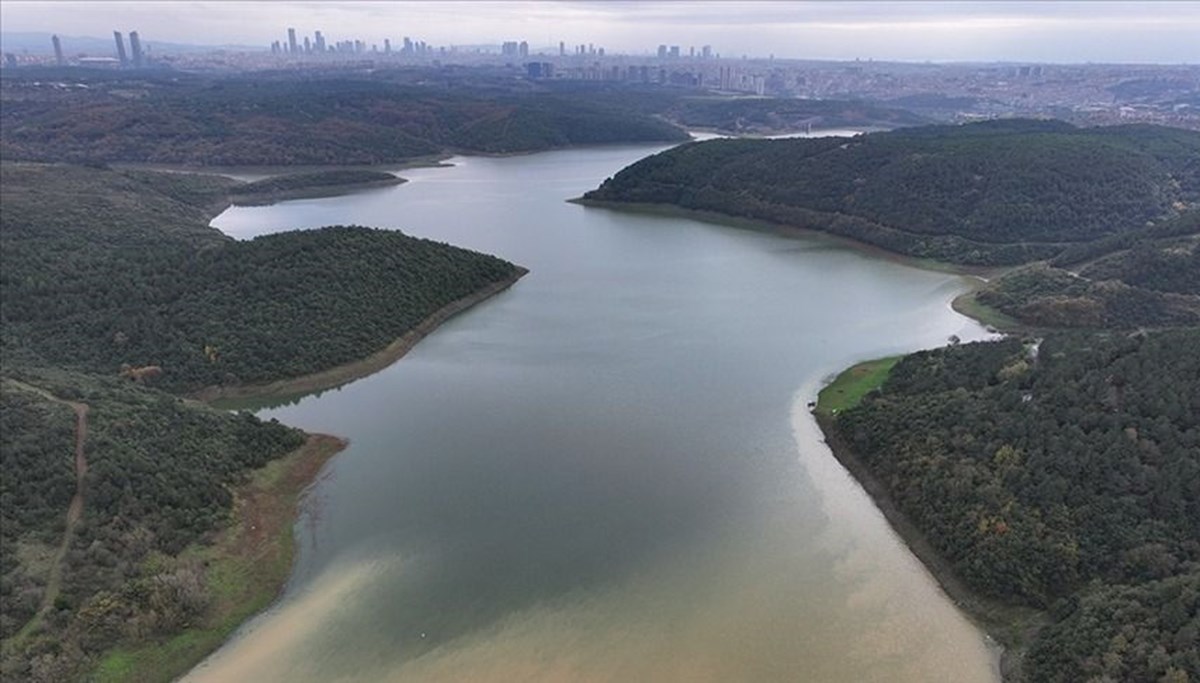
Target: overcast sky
{"type": "Point", "coordinates": [1165, 32]}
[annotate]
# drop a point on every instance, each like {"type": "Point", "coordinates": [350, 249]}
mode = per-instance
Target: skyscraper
{"type": "Point", "coordinates": [135, 46]}
{"type": "Point", "coordinates": [58, 54]}
{"type": "Point", "coordinates": [562, 48]}
{"type": "Point", "coordinates": [121, 48]}
{"type": "Point", "coordinates": [318, 42]}
{"type": "Point", "coordinates": [292, 40]}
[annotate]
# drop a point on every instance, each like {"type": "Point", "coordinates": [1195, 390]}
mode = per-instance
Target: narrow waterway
{"type": "Point", "coordinates": [607, 472]}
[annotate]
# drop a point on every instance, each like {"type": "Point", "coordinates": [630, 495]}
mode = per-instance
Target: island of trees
{"type": "Point", "coordinates": [128, 515]}
{"type": "Point", "coordinates": [1055, 473]}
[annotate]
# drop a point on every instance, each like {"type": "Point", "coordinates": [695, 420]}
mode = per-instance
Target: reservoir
{"type": "Point", "coordinates": [607, 472]}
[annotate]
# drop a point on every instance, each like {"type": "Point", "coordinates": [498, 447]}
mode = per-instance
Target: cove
{"type": "Point", "coordinates": [606, 472]}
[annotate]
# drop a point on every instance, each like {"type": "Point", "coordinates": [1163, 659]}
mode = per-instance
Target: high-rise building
{"type": "Point", "coordinates": [562, 48]}
{"type": "Point", "coordinates": [523, 49]}
{"type": "Point", "coordinates": [307, 46]}
{"type": "Point", "coordinates": [124, 59]}
{"type": "Point", "coordinates": [387, 46]}
{"type": "Point", "coordinates": [706, 52]}
{"type": "Point", "coordinates": [318, 42]}
{"type": "Point", "coordinates": [10, 60]}
{"type": "Point", "coordinates": [662, 51]}
{"type": "Point", "coordinates": [674, 54]}
{"type": "Point", "coordinates": [58, 53]}
{"type": "Point", "coordinates": [292, 47]}
{"type": "Point", "coordinates": [135, 48]}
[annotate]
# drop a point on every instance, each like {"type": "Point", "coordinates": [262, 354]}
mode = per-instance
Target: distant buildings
{"type": "Point", "coordinates": [539, 70]}
{"type": "Point", "coordinates": [292, 40]}
{"type": "Point", "coordinates": [135, 46]}
{"type": "Point", "coordinates": [58, 53]}
{"type": "Point", "coordinates": [121, 56]}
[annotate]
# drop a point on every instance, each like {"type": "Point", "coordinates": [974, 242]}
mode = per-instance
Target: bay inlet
{"type": "Point", "coordinates": [606, 473]}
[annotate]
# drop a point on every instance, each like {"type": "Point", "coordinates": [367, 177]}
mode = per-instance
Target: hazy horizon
{"type": "Point", "coordinates": [1062, 32]}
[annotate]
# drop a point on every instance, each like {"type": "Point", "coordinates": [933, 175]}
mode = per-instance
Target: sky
{"type": "Point", "coordinates": [1048, 31]}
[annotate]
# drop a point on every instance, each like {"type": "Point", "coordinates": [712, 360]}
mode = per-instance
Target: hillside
{"type": "Point", "coordinates": [125, 274]}
{"type": "Point", "coordinates": [1065, 476]}
{"type": "Point", "coordinates": [157, 482]}
{"type": "Point", "coordinates": [1144, 277]}
{"type": "Point", "coordinates": [287, 121]}
{"type": "Point", "coordinates": [122, 546]}
{"type": "Point", "coordinates": [995, 193]}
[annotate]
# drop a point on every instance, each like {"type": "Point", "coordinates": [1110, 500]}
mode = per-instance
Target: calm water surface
{"type": "Point", "coordinates": [606, 473]}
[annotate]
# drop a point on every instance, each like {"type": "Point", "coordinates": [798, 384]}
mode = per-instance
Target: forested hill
{"type": "Point", "coordinates": [113, 288]}
{"type": "Point", "coordinates": [1064, 476]}
{"type": "Point", "coordinates": [993, 193]}
{"type": "Point", "coordinates": [1146, 276]}
{"type": "Point", "coordinates": [104, 269]}
{"type": "Point", "coordinates": [282, 121]}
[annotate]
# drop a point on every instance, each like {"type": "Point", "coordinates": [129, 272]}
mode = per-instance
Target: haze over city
{"type": "Point", "coordinates": [1068, 32]}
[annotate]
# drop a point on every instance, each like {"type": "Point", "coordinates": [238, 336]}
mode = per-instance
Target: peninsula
{"type": "Point", "coordinates": [118, 299]}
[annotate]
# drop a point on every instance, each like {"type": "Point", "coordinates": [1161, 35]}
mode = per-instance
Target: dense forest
{"type": "Point", "coordinates": [113, 288]}
{"type": "Point", "coordinates": [1062, 474]}
{"type": "Point", "coordinates": [993, 193]}
{"type": "Point", "coordinates": [158, 479]}
{"type": "Point", "coordinates": [1146, 277]}
{"type": "Point", "coordinates": [112, 281]}
{"type": "Point", "coordinates": [264, 121]}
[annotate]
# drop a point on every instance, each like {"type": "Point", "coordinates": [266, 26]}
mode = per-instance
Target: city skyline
{"type": "Point", "coordinates": [1065, 32]}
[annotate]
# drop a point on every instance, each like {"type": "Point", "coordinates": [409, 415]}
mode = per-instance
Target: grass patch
{"type": "Point", "coordinates": [853, 383]}
{"type": "Point", "coordinates": [968, 305]}
{"type": "Point", "coordinates": [245, 568]}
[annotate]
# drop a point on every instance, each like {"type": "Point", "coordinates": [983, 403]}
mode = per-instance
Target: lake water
{"type": "Point", "coordinates": [606, 473]}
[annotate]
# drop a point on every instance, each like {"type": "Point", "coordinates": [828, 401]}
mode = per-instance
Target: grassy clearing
{"type": "Point", "coordinates": [246, 567]}
{"type": "Point", "coordinates": [968, 305]}
{"type": "Point", "coordinates": [848, 389]}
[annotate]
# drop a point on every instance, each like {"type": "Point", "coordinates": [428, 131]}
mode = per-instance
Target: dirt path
{"type": "Point", "coordinates": [74, 510]}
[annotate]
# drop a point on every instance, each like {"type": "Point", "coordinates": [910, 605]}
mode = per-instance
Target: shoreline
{"type": "Point", "coordinates": [343, 374]}
{"type": "Point", "coordinates": [312, 192]}
{"type": "Point", "coordinates": [1010, 627]}
{"type": "Point", "coordinates": [246, 567]}
{"type": "Point", "coordinates": [239, 172]}
{"type": "Point", "coordinates": [759, 225]}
